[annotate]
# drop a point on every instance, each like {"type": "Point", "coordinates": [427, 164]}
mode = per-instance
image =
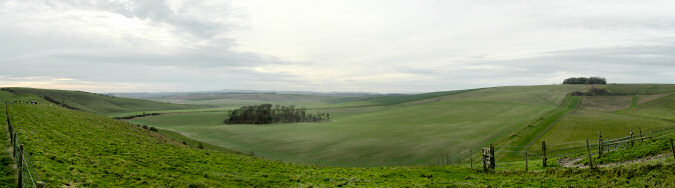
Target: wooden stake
{"type": "Point", "coordinates": [40, 184]}
{"type": "Point", "coordinates": [631, 137]}
{"type": "Point", "coordinates": [526, 161]}
{"type": "Point", "coordinates": [492, 157]}
{"type": "Point", "coordinates": [642, 139]}
{"type": "Point", "coordinates": [590, 158]}
{"type": "Point", "coordinates": [484, 159]}
{"type": "Point", "coordinates": [599, 144]}
{"type": "Point", "coordinates": [543, 151]}
{"type": "Point", "coordinates": [19, 167]}
{"type": "Point", "coordinates": [672, 147]}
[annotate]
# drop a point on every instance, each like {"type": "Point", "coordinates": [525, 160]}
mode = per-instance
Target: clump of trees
{"type": "Point", "coordinates": [584, 80]}
{"type": "Point", "coordinates": [266, 114]}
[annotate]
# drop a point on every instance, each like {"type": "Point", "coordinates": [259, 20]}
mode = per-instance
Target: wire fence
{"type": "Point", "coordinates": [27, 175]}
{"type": "Point", "coordinates": [515, 156]}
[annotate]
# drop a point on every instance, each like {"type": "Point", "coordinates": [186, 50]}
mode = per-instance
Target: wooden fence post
{"type": "Point", "coordinates": [526, 161]}
{"type": "Point", "coordinates": [492, 157]}
{"type": "Point", "coordinates": [631, 137]}
{"type": "Point", "coordinates": [19, 167]}
{"type": "Point", "coordinates": [543, 151]}
{"type": "Point", "coordinates": [40, 184]}
{"type": "Point", "coordinates": [590, 158]}
{"type": "Point", "coordinates": [599, 144]}
{"type": "Point", "coordinates": [14, 145]}
{"type": "Point", "coordinates": [485, 158]}
{"type": "Point", "coordinates": [642, 139]}
{"type": "Point", "coordinates": [672, 147]}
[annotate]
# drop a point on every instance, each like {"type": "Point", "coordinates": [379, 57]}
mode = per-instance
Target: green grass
{"type": "Point", "coordinates": [7, 173]}
{"type": "Point", "coordinates": [410, 133]}
{"type": "Point", "coordinates": [536, 128]}
{"type": "Point", "coordinates": [641, 149]}
{"type": "Point", "coordinates": [102, 104]}
{"type": "Point", "coordinates": [574, 128]}
{"type": "Point", "coordinates": [73, 148]}
{"type": "Point", "coordinates": [662, 108]}
{"type": "Point", "coordinates": [233, 100]}
{"type": "Point", "coordinates": [644, 89]}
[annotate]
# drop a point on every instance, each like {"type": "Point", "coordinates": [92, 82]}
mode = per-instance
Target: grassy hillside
{"type": "Point", "coordinates": [412, 132]}
{"type": "Point", "coordinates": [643, 106]}
{"type": "Point", "coordinates": [101, 104]}
{"type": "Point", "coordinates": [73, 148]}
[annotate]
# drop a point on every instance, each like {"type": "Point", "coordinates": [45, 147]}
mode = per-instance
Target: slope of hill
{"type": "Point", "coordinates": [78, 149]}
{"type": "Point", "coordinates": [101, 104]}
{"type": "Point", "coordinates": [414, 132]}
{"type": "Point", "coordinates": [615, 116]}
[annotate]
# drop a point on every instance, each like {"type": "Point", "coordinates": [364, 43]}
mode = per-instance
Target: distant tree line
{"type": "Point", "coordinates": [266, 114]}
{"type": "Point", "coordinates": [137, 116]}
{"type": "Point", "coordinates": [584, 80]}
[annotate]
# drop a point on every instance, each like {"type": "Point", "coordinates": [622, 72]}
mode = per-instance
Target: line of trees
{"type": "Point", "coordinates": [266, 114]}
{"type": "Point", "coordinates": [584, 80]}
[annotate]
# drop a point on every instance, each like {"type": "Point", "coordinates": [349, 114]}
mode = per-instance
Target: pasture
{"type": "Point", "coordinates": [413, 132]}
{"type": "Point", "coordinates": [101, 104]}
{"type": "Point", "coordinates": [648, 107]}
{"type": "Point", "coordinates": [75, 148]}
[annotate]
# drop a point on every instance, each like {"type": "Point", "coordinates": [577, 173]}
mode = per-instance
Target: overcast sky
{"type": "Point", "coordinates": [336, 45]}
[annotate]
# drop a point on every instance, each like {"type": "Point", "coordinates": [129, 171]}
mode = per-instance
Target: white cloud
{"type": "Point", "coordinates": [373, 45]}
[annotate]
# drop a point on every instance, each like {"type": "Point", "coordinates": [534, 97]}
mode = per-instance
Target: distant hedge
{"type": "Point", "coordinates": [584, 80]}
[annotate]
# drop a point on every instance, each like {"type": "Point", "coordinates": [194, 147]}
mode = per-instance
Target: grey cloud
{"type": "Point", "coordinates": [153, 10]}
{"type": "Point", "coordinates": [158, 10]}
{"type": "Point", "coordinates": [621, 64]}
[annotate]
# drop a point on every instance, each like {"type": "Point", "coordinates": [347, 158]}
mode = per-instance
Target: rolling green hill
{"type": "Point", "coordinates": [645, 107]}
{"type": "Point", "coordinates": [78, 149]}
{"type": "Point", "coordinates": [412, 132]}
{"type": "Point", "coordinates": [101, 104]}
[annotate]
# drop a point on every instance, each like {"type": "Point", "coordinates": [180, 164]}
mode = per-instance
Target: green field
{"type": "Point", "coordinates": [415, 131]}
{"type": "Point", "coordinates": [101, 104]}
{"type": "Point", "coordinates": [615, 116]}
{"type": "Point", "coordinates": [79, 149]}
